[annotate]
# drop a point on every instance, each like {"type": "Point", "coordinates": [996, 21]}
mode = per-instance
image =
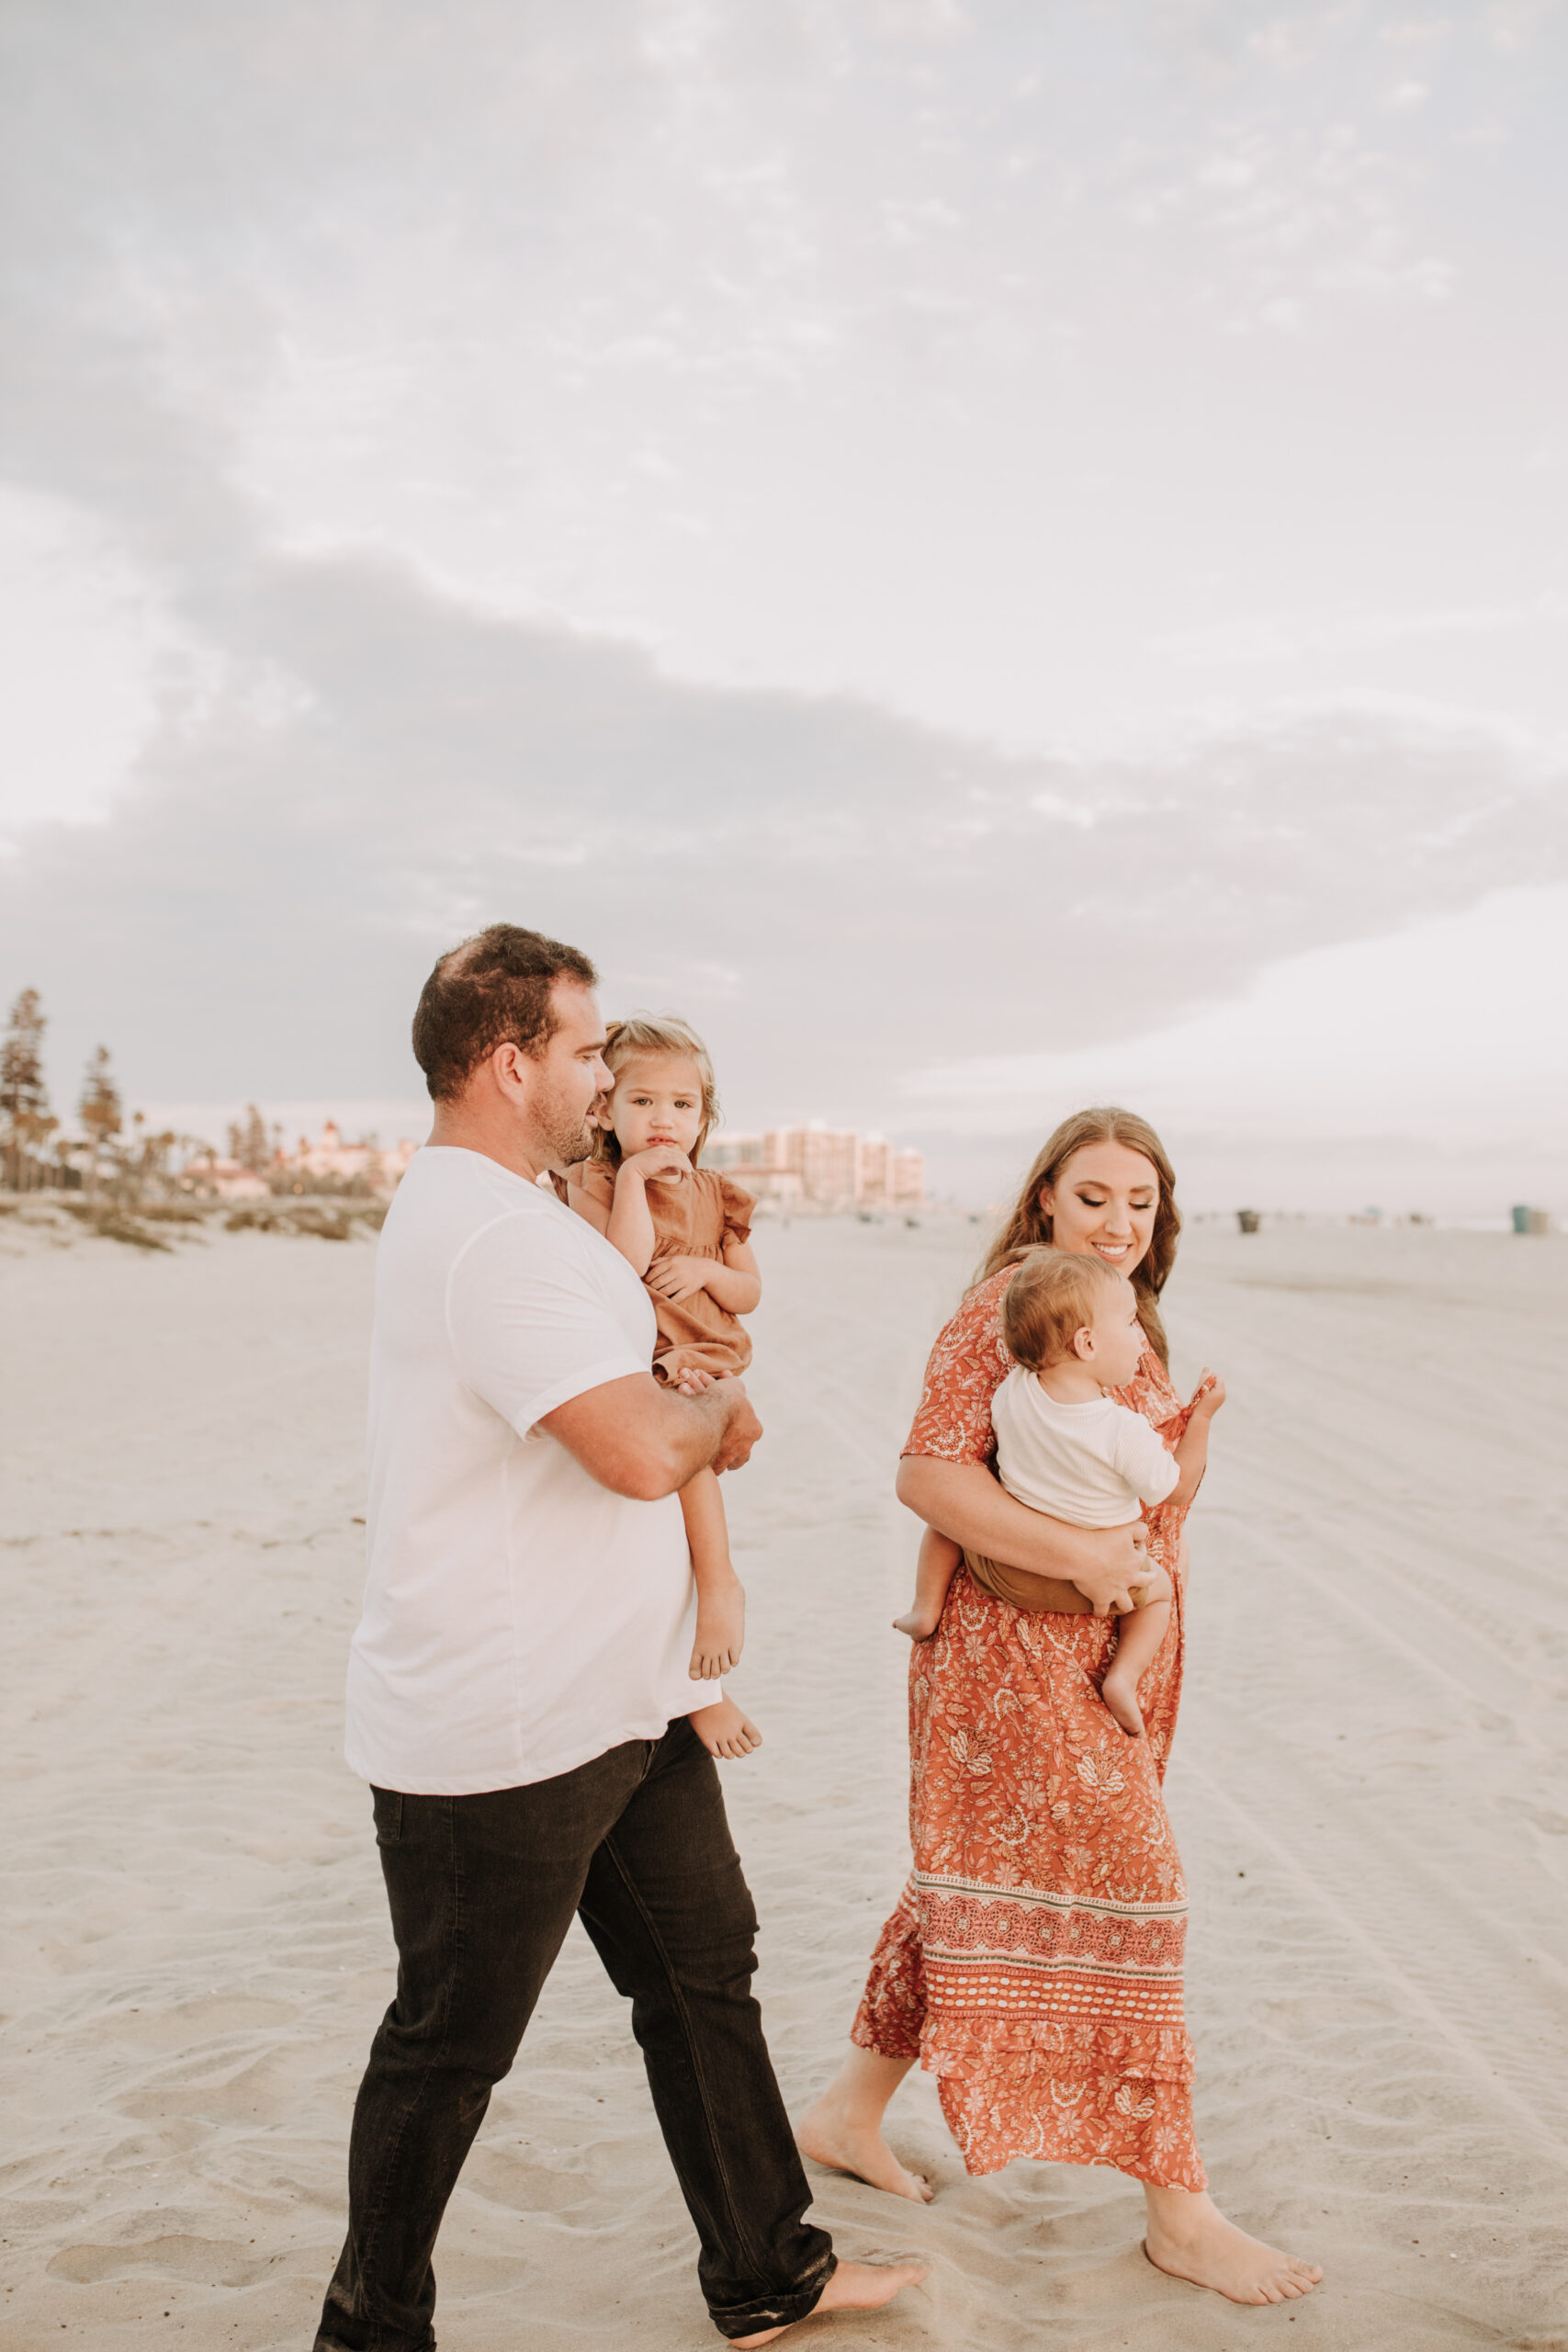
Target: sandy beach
{"type": "Point", "coordinates": [1368, 1786]}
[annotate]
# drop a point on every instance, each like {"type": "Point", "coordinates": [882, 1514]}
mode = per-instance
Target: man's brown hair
{"type": "Point", "coordinates": [1052, 1296]}
{"type": "Point", "coordinates": [493, 991]}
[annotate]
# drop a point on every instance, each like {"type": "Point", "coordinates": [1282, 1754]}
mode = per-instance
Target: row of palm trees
{"type": "Point", "coordinates": [34, 1151]}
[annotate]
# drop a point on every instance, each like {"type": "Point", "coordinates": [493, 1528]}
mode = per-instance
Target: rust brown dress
{"type": "Point", "coordinates": [693, 1217]}
{"type": "Point", "coordinates": [1033, 1962]}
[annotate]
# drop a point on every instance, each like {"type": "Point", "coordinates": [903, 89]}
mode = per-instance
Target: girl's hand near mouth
{"type": "Point", "coordinates": [656, 1159]}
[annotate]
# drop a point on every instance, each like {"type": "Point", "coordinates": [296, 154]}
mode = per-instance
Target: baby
{"type": "Point", "coordinates": [1064, 1446]}
{"type": "Point", "coordinates": [684, 1228]}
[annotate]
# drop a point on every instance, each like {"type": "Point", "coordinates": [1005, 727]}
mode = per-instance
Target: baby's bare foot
{"type": "Point", "coordinates": [1121, 1695]}
{"type": "Point", "coordinates": [918, 1624]}
{"type": "Point", "coordinates": [1198, 2243]}
{"type": "Point", "coordinates": [831, 2137]}
{"type": "Point", "coordinates": [721, 1633]}
{"type": "Point", "coordinates": [854, 2287]}
{"type": "Point", "coordinates": [724, 1731]}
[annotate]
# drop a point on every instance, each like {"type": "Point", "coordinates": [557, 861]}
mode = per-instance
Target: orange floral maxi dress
{"type": "Point", "coordinates": [1033, 1962]}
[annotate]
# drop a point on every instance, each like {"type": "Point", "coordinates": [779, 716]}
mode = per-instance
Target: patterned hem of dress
{"type": "Point", "coordinates": [1066, 2051]}
{"type": "Point", "coordinates": [1023, 2112]}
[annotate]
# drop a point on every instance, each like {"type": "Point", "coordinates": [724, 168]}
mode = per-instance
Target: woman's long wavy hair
{"type": "Point", "coordinates": [1029, 1226]}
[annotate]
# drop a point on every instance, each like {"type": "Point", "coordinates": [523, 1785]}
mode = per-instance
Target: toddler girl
{"type": "Point", "coordinates": [1063, 1445]}
{"type": "Point", "coordinates": [684, 1228]}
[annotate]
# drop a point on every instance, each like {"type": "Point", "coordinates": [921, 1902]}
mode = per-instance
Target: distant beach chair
{"type": "Point", "coordinates": [1249, 1220]}
{"type": "Point", "coordinates": [1526, 1220]}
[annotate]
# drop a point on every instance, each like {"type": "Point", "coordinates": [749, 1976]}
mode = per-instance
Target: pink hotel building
{"type": "Point", "coordinates": [827, 1167]}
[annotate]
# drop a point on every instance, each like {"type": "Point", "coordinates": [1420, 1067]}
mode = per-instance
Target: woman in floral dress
{"type": "Point", "coordinates": [1034, 1964]}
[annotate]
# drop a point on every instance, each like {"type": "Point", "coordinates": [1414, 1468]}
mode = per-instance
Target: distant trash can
{"type": "Point", "coordinates": [1527, 1220]}
{"type": "Point", "coordinates": [1250, 1219]}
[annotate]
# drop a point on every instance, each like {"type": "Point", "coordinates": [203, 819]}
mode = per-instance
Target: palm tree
{"type": "Point", "coordinates": [99, 1110]}
{"type": "Point", "coordinates": [24, 1096]}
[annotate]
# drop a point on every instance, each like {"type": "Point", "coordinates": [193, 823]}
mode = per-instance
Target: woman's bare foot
{"type": "Point", "coordinates": [1120, 1693]}
{"type": "Point", "coordinates": [854, 2287]}
{"type": "Point", "coordinates": [918, 1624]}
{"type": "Point", "coordinates": [1190, 2238]}
{"type": "Point", "coordinates": [724, 1731]}
{"type": "Point", "coordinates": [721, 1631]}
{"type": "Point", "coordinates": [832, 2134]}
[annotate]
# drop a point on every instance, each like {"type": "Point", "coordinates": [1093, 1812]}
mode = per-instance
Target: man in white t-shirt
{"type": "Point", "coordinates": [518, 1694]}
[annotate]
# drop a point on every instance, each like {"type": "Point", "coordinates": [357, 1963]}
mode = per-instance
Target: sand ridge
{"type": "Point", "coordinates": [1368, 1786]}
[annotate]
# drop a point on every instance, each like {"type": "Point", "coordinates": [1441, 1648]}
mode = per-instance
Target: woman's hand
{"type": "Point", "coordinates": [1109, 1583]}
{"type": "Point", "coordinates": [1207, 1397]}
{"type": "Point", "coordinates": [676, 1278]}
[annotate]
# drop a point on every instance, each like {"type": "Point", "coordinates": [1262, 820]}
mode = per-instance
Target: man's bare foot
{"type": "Point", "coordinates": [853, 2287]}
{"type": "Point", "coordinates": [721, 1631]}
{"type": "Point", "coordinates": [1191, 2239]}
{"type": "Point", "coordinates": [724, 1731]}
{"type": "Point", "coordinates": [918, 1624]}
{"type": "Point", "coordinates": [829, 2135]}
{"type": "Point", "coordinates": [1121, 1695]}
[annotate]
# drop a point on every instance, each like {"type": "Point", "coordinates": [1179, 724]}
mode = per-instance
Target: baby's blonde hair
{"type": "Point", "coordinates": [1050, 1299]}
{"type": "Point", "coordinates": [657, 1033]}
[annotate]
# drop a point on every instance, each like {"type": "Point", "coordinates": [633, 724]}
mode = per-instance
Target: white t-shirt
{"type": "Point", "coordinates": [1090, 1464]}
{"type": "Point", "coordinates": [519, 1619]}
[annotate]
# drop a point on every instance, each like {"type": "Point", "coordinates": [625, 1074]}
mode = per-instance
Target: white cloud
{"type": "Point", "coordinates": [1427, 1068]}
{"type": "Point", "coordinates": [1258, 638]}
{"type": "Point", "coordinates": [411, 375]}
{"type": "Point", "coordinates": [837, 896]}
{"type": "Point", "coordinates": [1456, 1019]}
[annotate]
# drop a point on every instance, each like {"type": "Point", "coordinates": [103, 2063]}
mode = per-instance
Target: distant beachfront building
{"type": "Point", "coordinates": [208, 1173]}
{"type": "Point", "coordinates": [327, 1161]}
{"type": "Point", "coordinates": [329, 1156]}
{"type": "Point", "coordinates": [828, 1168]}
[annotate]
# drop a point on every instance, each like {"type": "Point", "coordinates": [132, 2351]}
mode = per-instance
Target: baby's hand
{"type": "Point", "coordinates": [678, 1277]}
{"type": "Point", "coordinates": [690, 1381]}
{"type": "Point", "coordinates": [1208, 1397]}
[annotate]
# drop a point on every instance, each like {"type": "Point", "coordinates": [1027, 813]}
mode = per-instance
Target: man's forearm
{"type": "Point", "coordinates": [644, 1442]}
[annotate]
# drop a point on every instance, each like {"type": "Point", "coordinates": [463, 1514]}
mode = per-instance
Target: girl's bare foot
{"type": "Point", "coordinates": [1121, 1695]}
{"type": "Point", "coordinates": [721, 1631]}
{"type": "Point", "coordinates": [1190, 2238]}
{"type": "Point", "coordinates": [832, 2134]}
{"type": "Point", "coordinates": [724, 1731]}
{"type": "Point", "coordinates": [853, 2287]}
{"type": "Point", "coordinates": [918, 1624]}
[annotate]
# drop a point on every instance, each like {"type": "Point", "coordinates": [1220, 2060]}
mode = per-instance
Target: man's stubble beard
{"type": "Point", "coordinates": [581, 1148]}
{"type": "Point", "coordinates": [567, 1143]}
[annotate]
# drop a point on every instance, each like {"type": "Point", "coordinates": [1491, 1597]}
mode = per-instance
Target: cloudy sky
{"type": "Point", "coordinates": [988, 553]}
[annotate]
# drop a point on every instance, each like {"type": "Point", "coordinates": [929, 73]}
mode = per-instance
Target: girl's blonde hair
{"type": "Point", "coordinates": [661, 1033]}
{"type": "Point", "coordinates": [1051, 1298]}
{"type": "Point", "coordinates": [1029, 1226]}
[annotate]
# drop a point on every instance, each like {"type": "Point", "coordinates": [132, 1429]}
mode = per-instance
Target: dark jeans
{"type": "Point", "coordinates": [482, 1890]}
